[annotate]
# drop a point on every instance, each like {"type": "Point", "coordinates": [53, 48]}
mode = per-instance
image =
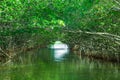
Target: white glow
{"type": "Point", "coordinates": [60, 50]}
{"type": "Point", "coordinates": [59, 54]}
{"type": "Point", "coordinates": [59, 45]}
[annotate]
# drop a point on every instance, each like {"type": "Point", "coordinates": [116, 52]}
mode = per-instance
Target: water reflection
{"type": "Point", "coordinates": [34, 67]}
{"type": "Point", "coordinates": [60, 50]}
{"type": "Point", "coordinates": [59, 54]}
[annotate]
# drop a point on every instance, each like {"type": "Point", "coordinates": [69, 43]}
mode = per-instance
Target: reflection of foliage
{"type": "Point", "coordinates": [32, 67]}
{"type": "Point", "coordinates": [21, 20]}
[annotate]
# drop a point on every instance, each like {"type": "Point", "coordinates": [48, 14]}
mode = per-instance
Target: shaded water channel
{"type": "Point", "coordinates": [46, 64]}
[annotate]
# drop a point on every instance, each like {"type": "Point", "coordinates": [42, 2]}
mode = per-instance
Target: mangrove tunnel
{"type": "Point", "coordinates": [59, 40]}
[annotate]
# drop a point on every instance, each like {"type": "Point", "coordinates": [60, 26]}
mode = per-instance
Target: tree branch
{"type": "Point", "coordinates": [117, 7]}
{"type": "Point", "coordinates": [4, 53]}
{"type": "Point", "coordinates": [117, 2]}
{"type": "Point", "coordinates": [113, 37]}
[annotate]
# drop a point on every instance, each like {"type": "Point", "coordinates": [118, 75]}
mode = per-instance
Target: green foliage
{"type": "Point", "coordinates": [28, 13]}
{"type": "Point", "coordinates": [26, 17]}
{"type": "Point", "coordinates": [92, 15]}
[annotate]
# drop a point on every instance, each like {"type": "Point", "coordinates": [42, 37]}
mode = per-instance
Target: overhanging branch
{"type": "Point", "coordinates": [112, 37]}
{"type": "Point", "coordinates": [117, 2]}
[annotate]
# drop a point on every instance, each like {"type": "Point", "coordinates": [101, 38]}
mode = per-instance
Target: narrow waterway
{"type": "Point", "coordinates": [47, 64]}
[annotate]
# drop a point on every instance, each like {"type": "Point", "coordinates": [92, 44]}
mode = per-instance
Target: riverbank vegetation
{"type": "Point", "coordinates": [93, 25]}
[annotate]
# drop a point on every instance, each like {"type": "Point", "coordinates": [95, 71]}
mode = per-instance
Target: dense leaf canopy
{"type": "Point", "coordinates": [90, 15]}
{"type": "Point", "coordinates": [93, 25]}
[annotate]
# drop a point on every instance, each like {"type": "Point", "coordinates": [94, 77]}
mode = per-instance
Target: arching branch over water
{"type": "Point", "coordinates": [110, 36]}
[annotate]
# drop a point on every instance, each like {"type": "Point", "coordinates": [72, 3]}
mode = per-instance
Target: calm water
{"type": "Point", "coordinates": [46, 64]}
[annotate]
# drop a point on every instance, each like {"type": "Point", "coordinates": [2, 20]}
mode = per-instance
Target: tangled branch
{"type": "Point", "coordinates": [112, 37]}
